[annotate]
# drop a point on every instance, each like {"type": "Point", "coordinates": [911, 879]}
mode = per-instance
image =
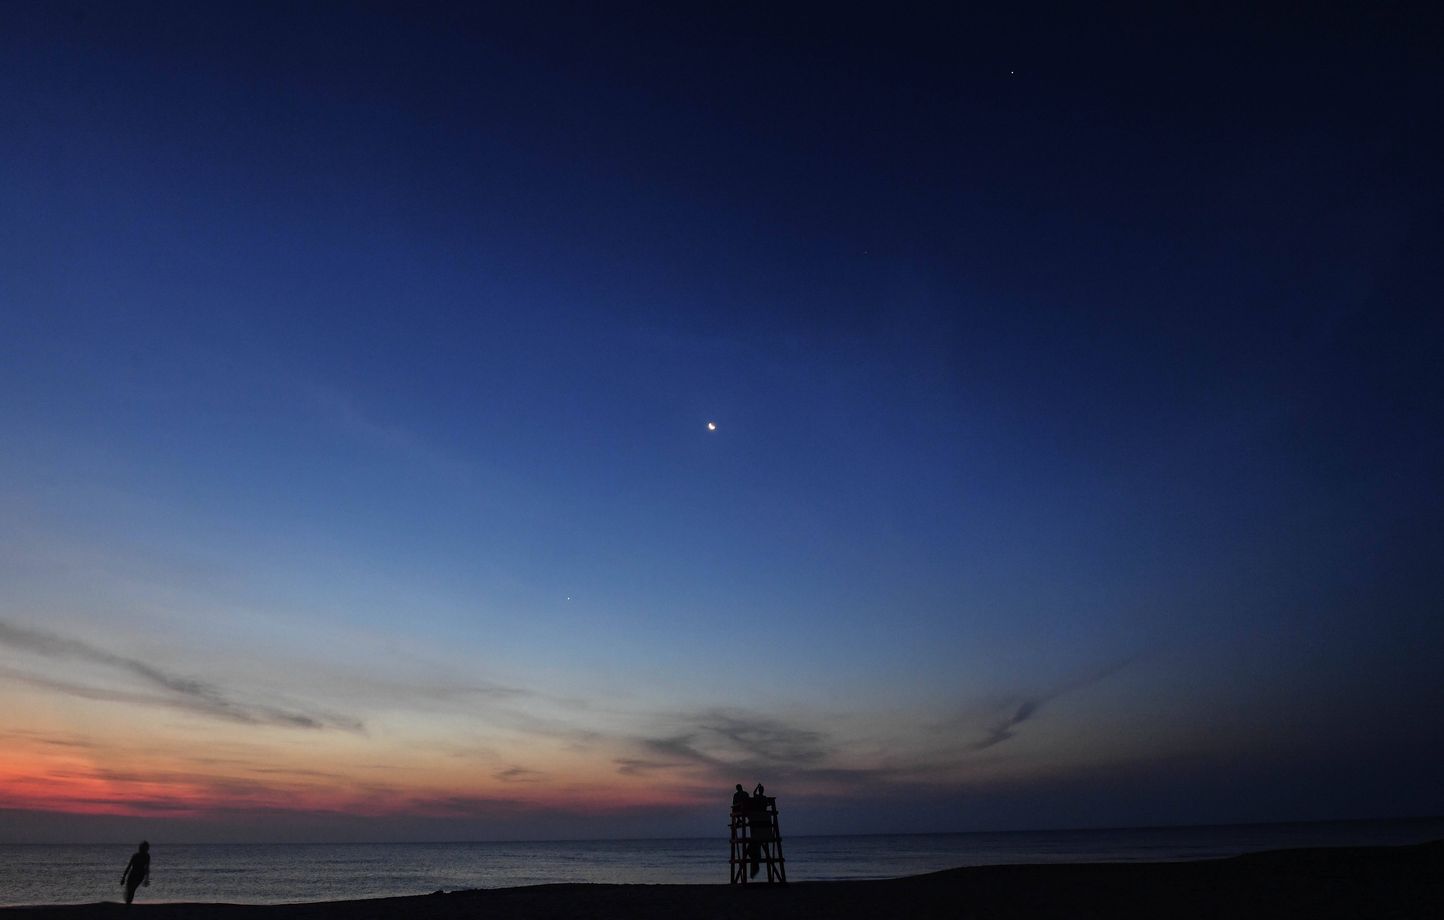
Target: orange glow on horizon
{"type": "Point", "coordinates": [122, 783]}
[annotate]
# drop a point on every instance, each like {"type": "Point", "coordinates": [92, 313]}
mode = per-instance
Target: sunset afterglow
{"type": "Point", "coordinates": [470, 423]}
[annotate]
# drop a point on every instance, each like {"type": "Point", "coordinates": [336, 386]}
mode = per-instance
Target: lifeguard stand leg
{"type": "Point", "coordinates": [755, 834]}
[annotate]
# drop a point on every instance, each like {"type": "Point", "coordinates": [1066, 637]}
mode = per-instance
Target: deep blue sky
{"type": "Point", "coordinates": [1077, 384]}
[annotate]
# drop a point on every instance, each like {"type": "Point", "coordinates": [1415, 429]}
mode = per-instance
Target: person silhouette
{"type": "Point", "coordinates": [761, 828]}
{"type": "Point", "coordinates": [137, 871]}
{"type": "Point", "coordinates": [743, 804]}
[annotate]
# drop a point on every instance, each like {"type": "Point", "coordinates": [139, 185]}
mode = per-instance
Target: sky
{"type": "Point", "coordinates": [1076, 385]}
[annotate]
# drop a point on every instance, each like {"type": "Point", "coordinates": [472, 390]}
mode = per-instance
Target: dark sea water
{"type": "Point", "coordinates": [67, 874]}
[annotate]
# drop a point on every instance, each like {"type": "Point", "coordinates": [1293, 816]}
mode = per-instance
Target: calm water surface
{"type": "Point", "coordinates": [67, 874]}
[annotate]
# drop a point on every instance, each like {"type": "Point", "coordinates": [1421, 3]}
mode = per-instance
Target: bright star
{"type": "Point", "coordinates": [711, 426]}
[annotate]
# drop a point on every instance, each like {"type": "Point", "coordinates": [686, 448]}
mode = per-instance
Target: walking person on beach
{"type": "Point", "coordinates": [137, 871]}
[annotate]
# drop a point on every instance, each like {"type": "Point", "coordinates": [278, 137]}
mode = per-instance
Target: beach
{"type": "Point", "coordinates": [1356, 882]}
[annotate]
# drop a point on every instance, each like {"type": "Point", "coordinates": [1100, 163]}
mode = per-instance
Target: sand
{"type": "Point", "coordinates": [1367, 883]}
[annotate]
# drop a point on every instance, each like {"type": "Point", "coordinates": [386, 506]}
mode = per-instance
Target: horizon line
{"type": "Point", "coordinates": [1036, 830]}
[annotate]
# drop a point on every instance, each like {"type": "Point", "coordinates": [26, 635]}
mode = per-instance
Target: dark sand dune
{"type": "Point", "coordinates": [1367, 883]}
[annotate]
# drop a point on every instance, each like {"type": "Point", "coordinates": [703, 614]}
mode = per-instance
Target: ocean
{"type": "Point", "coordinates": [247, 873]}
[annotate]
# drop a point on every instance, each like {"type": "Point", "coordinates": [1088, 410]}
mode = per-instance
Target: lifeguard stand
{"type": "Point", "coordinates": [755, 837]}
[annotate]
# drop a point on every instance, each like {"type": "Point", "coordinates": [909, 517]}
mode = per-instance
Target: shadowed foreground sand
{"type": "Point", "coordinates": [1366, 882]}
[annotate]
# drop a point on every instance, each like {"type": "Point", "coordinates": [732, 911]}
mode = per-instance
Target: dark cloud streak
{"type": "Point", "coordinates": [1005, 729]}
{"type": "Point", "coordinates": [176, 691]}
{"type": "Point", "coordinates": [727, 746]}
{"type": "Point", "coordinates": [519, 775]}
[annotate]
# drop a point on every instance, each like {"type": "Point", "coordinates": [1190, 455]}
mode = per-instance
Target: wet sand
{"type": "Point", "coordinates": [1365, 882]}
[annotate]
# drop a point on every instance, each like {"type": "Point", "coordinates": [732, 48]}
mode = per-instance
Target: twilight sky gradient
{"type": "Point", "coordinates": [1077, 382]}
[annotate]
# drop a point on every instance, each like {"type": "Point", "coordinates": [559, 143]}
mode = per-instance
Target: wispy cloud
{"type": "Point", "coordinates": [47, 739]}
{"type": "Point", "coordinates": [519, 775]}
{"type": "Point", "coordinates": [641, 766]}
{"type": "Point", "coordinates": [721, 746]}
{"type": "Point", "coordinates": [1025, 709]}
{"type": "Point", "coordinates": [768, 739]}
{"type": "Point", "coordinates": [347, 416]}
{"type": "Point", "coordinates": [161, 687]}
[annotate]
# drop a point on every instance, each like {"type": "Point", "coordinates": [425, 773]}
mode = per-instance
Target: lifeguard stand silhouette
{"type": "Point", "coordinates": [755, 838]}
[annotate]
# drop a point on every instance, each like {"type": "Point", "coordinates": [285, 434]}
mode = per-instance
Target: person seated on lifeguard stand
{"type": "Point", "coordinates": [741, 801]}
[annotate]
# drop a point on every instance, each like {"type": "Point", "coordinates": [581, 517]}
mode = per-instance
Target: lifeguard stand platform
{"type": "Point", "coordinates": [755, 838]}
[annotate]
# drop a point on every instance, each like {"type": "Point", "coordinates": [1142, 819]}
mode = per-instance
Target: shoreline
{"type": "Point", "coordinates": [1384, 881]}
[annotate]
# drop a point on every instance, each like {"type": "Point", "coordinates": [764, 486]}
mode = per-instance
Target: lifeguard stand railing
{"type": "Point", "coordinates": [756, 841]}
